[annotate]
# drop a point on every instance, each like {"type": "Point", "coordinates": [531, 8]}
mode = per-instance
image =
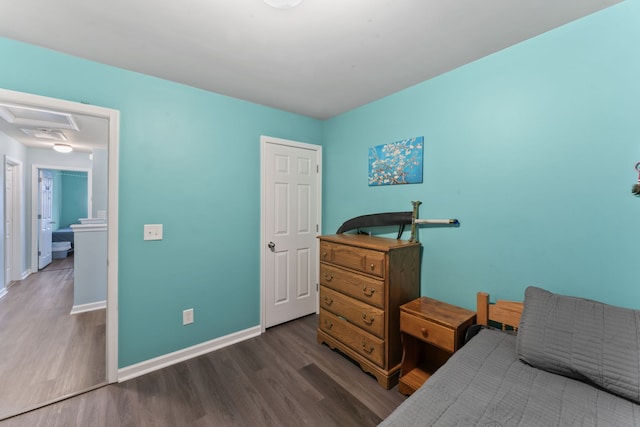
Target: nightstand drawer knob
{"type": "Point", "coordinates": [328, 300]}
{"type": "Point", "coordinates": [424, 332]}
{"type": "Point", "coordinates": [366, 292]}
{"type": "Point", "coordinates": [328, 277]}
{"type": "Point", "coordinates": [373, 267]}
{"type": "Point", "coordinates": [368, 321]}
{"type": "Point", "coordinates": [328, 324]}
{"type": "Point", "coordinates": [324, 254]}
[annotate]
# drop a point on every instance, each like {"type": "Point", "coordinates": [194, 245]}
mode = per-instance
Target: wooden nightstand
{"type": "Point", "coordinates": [431, 332]}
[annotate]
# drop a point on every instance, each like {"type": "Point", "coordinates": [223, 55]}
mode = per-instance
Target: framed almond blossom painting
{"type": "Point", "coordinates": [397, 162]}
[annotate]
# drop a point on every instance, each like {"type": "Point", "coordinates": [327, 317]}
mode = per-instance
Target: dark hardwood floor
{"type": "Point", "coordinates": [281, 378]}
{"type": "Point", "coordinates": [46, 353]}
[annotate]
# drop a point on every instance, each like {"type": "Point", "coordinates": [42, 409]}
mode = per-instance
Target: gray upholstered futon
{"type": "Point", "coordinates": [574, 362]}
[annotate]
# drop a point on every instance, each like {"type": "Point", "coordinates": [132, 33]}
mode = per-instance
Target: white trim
{"type": "Point", "coordinates": [25, 274]}
{"type": "Point", "coordinates": [264, 140]}
{"type": "Point", "coordinates": [113, 159]}
{"type": "Point", "coordinates": [113, 117]}
{"type": "Point", "coordinates": [88, 228]}
{"type": "Point", "coordinates": [82, 308]}
{"type": "Point", "coordinates": [169, 359]}
{"type": "Point", "coordinates": [3, 292]}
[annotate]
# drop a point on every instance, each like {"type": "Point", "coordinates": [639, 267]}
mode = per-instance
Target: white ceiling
{"type": "Point", "coordinates": [319, 59]}
{"type": "Point", "coordinates": [83, 132]}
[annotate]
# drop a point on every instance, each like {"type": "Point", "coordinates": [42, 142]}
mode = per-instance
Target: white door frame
{"type": "Point", "coordinates": [35, 205]}
{"type": "Point", "coordinates": [113, 117]}
{"type": "Point", "coordinates": [15, 251]}
{"type": "Point", "coordinates": [264, 140]}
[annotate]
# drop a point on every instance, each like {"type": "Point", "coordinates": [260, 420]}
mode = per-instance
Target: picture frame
{"type": "Point", "coordinates": [396, 163]}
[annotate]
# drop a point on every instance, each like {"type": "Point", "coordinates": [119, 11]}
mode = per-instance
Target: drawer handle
{"type": "Point", "coordinates": [328, 324]}
{"type": "Point", "coordinates": [424, 332]}
{"type": "Point", "coordinates": [324, 254]}
{"type": "Point", "coordinates": [368, 321]}
{"type": "Point", "coordinates": [365, 349]}
{"type": "Point", "coordinates": [373, 267]}
{"type": "Point", "coordinates": [328, 300]}
{"type": "Point", "coordinates": [328, 277]}
{"type": "Point", "coordinates": [367, 293]}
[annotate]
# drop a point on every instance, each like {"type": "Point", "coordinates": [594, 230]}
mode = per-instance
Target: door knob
{"type": "Point", "coordinates": [271, 245]}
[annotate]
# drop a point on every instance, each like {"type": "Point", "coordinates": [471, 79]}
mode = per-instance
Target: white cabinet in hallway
{"type": "Point", "coordinates": [90, 267]}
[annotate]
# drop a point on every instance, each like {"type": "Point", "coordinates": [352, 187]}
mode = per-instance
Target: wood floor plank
{"type": "Point", "coordinates": [280, 378]}
{"type": "Point", "coordinates": [47, 353]}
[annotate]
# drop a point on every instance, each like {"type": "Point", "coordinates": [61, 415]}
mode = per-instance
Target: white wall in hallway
{"type": "Point", "coordinates": [13, 149]}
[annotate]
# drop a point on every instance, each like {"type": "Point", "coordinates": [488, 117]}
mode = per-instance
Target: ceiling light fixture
{"type": "Point", "coordinates": [283, 4]}
{"type": "Point", "coordinates": [62, 148]}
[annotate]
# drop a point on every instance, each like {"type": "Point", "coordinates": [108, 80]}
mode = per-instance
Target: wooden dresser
{"type": "Point", "coordinates": [363, 282]}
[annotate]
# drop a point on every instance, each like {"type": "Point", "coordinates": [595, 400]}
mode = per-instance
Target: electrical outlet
{"type": "Point", "coordinates": [153, 232]}
{"type": "Point", "coordinates": [187, 316]}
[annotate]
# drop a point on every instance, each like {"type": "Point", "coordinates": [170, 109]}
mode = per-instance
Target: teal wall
{"type": "Point", "coordinates": [189, 159]}
{"type": "Point", "coordinates": [73, 186]}
{"type": "Point", "coordinates": [69, 198]}
{"type": "Point", "coordinates": [532, 148]}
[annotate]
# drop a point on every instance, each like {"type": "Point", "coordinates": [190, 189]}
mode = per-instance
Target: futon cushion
{"type": "Point", "coordinates": [582, 339]}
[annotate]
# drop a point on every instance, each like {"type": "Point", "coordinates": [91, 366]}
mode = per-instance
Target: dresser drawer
{"type": "Point", "coordinates": [353, 337]}
{"type": "Point", "coordinates": [428, 331]}
{"type": "Point", "coordinates": [364, 316]}
{"type": "Point", "coordinates": [365, 260]}
{"type": "Point", "coordinates": [358, 286]}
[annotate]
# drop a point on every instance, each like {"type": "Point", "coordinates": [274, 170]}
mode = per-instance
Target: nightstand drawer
{"type": "Point", "coordinates": [363, 343]}
{"type": "Point", "coordinates": [427, 331]}
{"type": "Point", "coordinates": [364, 316]}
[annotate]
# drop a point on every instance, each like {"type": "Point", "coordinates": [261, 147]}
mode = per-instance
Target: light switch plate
{"type": "Point", "coordinates": [153, 232]}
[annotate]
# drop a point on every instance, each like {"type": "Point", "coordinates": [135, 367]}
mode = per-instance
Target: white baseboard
{"type": "Point", "coordinates": [25, 274]}
{"type": "Point", "coordinates": [160, 362]}
{"type": "Point", "coordinates": [88, 307]}
{"type": "Point", "coordinates": [3, 292]}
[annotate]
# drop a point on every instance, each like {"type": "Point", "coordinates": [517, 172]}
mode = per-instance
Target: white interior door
{"type": "Point", "coordinates": [45, 184]}
{"type": "Point", "coordinates": [291, 190]}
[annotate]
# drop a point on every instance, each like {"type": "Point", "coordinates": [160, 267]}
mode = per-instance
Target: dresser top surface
{"type": "Point", "coordinates": [369, 242]}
